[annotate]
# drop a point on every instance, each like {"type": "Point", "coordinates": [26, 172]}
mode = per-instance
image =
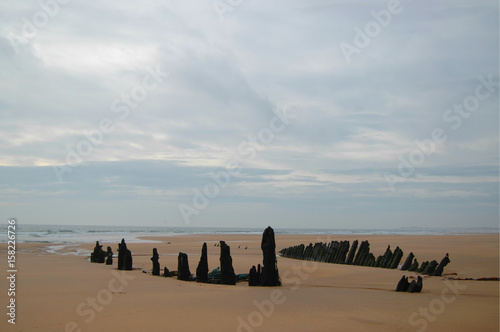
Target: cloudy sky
{"type": "Point", "coordinates": [324, 114]}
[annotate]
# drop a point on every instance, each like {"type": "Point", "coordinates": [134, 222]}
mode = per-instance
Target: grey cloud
{"type": "Point", "coordinates": [225, 79]}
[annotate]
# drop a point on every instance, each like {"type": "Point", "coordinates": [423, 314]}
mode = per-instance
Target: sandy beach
{"type": "Point", "coordinates": [56, 292]}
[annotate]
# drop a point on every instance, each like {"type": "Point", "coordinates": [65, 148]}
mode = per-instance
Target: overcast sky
{"type": "Point", "coordinates": [316, 114]}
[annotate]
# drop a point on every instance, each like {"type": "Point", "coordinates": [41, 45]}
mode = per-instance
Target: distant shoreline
{"type": "Point", "coordinates": [72, 234]}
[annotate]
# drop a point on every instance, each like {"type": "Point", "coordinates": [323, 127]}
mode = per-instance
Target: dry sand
{"type": "Point", "coordinates": [55, 292]}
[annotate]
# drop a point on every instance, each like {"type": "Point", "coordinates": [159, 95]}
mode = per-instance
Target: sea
{"type": "Point", "coordinates": [74, 234]}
